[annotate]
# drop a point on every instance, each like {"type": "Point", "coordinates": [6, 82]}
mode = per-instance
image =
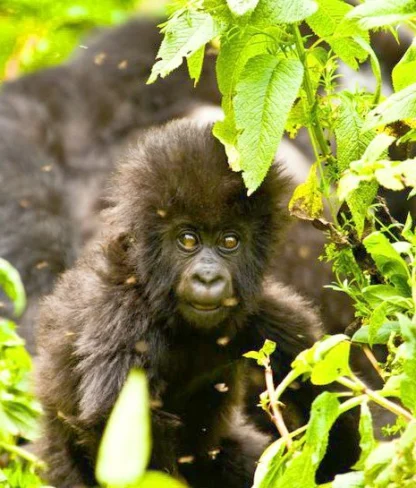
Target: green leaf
{"type": "Point", "coordinates": [377, 318]}
{"type": "Point", "coordinates": [126, 444]}
{"type": "Point", "coordinates": [300, 472]}
{"type": "Point", "coordinates": [266, 92]}
{"type": "Point", "coordinates": [349, 480]}
{"type": "Point", "coordinates": [333, 365]}
{"type": "Point", "coordinates": [241, 7]}
{"type": "Point", "coordinates": [269, 347]}
{"type": "Point", "coordinates": [234, 54]}
{"type": "Point", "coordinates": [12, 285]}
{"type": "Point", "coordinates": [367, 441]}
{"type": "Point", "coordinates": [184, 35]}
{"type": "Point", "coordinates": [359, 202]}
{"type": "Point", "coordinates": [330, 24]}
{"type": "Point", "coordinates": [351, 142]}
{"type": "Point", "coordinates": [403, 73]}
{"type": "Point", "coordinates": [269, 465]}
{"type": "Point", "coordinates": [408, 349]}
{"type": "Point", "coordinates": [195, 62]}
{"type": "Point", "coordinates": [282, 12]}
{"type": "Point", "coordinates": [379, 13]}
{"type": "Point", "coordinates": [155, 479]}
{"type": "Point", "coordinates": [399, 106]}
{"type": "Point", "coordinates": [306, 201]}
{"type": "Point", "coordinates": [376, 294]}
{"type": "Point", "coordinates": [388, 260]}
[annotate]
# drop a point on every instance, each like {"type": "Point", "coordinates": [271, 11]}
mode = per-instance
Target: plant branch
{"type": "Point", "coordinates": [357, 385]}
{"type": "Point", "coordinates": [276, 414]}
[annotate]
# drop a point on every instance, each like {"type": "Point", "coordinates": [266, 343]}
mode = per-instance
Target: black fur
{"type": "Point", "coordinates": [61, 130]}
{"type": "Point", "coordinates": [119, 308]}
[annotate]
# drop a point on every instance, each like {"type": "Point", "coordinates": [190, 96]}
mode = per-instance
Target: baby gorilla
{"type": "Point", "coordinates": [175, 285]}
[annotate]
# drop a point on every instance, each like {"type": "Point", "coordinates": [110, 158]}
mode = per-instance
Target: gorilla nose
{"type": "Point", "coordinates": [209, 285]}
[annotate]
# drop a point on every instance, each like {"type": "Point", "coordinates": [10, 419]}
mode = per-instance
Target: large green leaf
{"type": "Point", "coordinates": [282, 12]}
{"type": "Point", "coordinates": [126, 444]}
{"type": "Point", "coordinates": [329, 23]}
{"type": "Point", "coordinates": [379, 13]}
{"type": "Point", "coordinates": [266, 92]}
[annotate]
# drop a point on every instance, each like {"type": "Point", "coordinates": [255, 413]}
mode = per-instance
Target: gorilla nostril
{"type": "Point", "coordinates": [207, 279]}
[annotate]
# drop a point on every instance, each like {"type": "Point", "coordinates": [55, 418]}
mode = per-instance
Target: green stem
{"type": "Point", "coordinates": [315, 130]}
{"type": "Point", "coordinates": [357, 385]}
{"type": "Point", "coordinates": [26, 455]}
{"type": "Point", "coordinates": [287, 380]}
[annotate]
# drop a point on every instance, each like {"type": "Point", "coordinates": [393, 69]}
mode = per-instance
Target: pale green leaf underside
{"type": "Point", "coordinates": [399, 106]}
{"type": "Point", "coordinates": [241, 7]}
{"type": "Point", "coordinates": [378, 13]}
{"type": "Point", "coordinates": [184, 36]}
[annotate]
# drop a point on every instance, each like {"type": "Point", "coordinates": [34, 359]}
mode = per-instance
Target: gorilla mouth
{"type": "Point", "coordinates": [205, 308]}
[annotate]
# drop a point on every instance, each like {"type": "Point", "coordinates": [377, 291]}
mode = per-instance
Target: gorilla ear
{"type": "Point", "coordinates": [116, 253]}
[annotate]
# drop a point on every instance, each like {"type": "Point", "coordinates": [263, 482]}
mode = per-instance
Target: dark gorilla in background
{"type": "Point", "coordinates": [176, 284]}
{"type": "Point", "coordinates": [61, 130]}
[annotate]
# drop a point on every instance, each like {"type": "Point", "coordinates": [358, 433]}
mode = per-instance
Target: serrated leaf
{"type": "Point", "coordinates": [195, 63]}
{"type": "Point", "coordinates": [184, 35]}
{"type": "Point", "coordinates": [234, 54]}
{"type": "Point", "coordinates": [379, 13]}
{"type": "Point", "coordinates": [241, 7]}
{"type": "Point", "coordinates": [306, 201]}
{"type": "Point", "coordinates": [282, 12]}
{"type": "Point", "coordinates": [399, 106]}
{"type": "Point", "coordinates": [126, 443]}
{"type": "Point", "coordinates": [403, 73]}
{"type": "Point", "coordinates": [265, 94]}
{"type": "Point", "coordinates": [12, 285]}
{"type": "Point", "coordinates": [351, 142]}
{"type": "Point", "coordinates": [359, 202]}
{"type": "Point", "coordinates": [381, 337]}
{"type": "Point", "coordinates": [156, 479]}
{"type": "Point", "coordinates": [367, 440]}
{"type": "Point", "coordinates": [300, 472]}
{"type": "Point", "coordinates": [329, 23]}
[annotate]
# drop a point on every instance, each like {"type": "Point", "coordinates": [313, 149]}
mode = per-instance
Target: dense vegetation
{"type": "Point", "coordinates": [276, 79]}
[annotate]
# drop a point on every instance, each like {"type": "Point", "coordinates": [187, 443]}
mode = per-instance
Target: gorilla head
{"type": "Point", "coordinates": [197, 241]}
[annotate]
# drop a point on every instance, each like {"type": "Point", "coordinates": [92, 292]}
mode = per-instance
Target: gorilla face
{"type": "Point", "coordinates": [205, 290]}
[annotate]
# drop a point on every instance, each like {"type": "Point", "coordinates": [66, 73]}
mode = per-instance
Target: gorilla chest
{"type": "Point", "coordinates": [200, 376]}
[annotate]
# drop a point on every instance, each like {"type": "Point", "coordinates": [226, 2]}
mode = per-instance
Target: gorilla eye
{"type": "Point", "coordinates": [229, 242]}
{"type": "Point", "coordinates": [188, 241]}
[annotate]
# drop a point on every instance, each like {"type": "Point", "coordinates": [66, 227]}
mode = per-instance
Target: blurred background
{"type": "Point", "coordinates": [39, 33]}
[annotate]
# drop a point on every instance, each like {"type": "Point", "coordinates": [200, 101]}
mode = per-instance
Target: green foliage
{"type": "Point", "coordinates": [43, 33]}
{"type": "Point", "coordinates": [19, 411]}
{"type": "Point", "coordinates": [125, 448]}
